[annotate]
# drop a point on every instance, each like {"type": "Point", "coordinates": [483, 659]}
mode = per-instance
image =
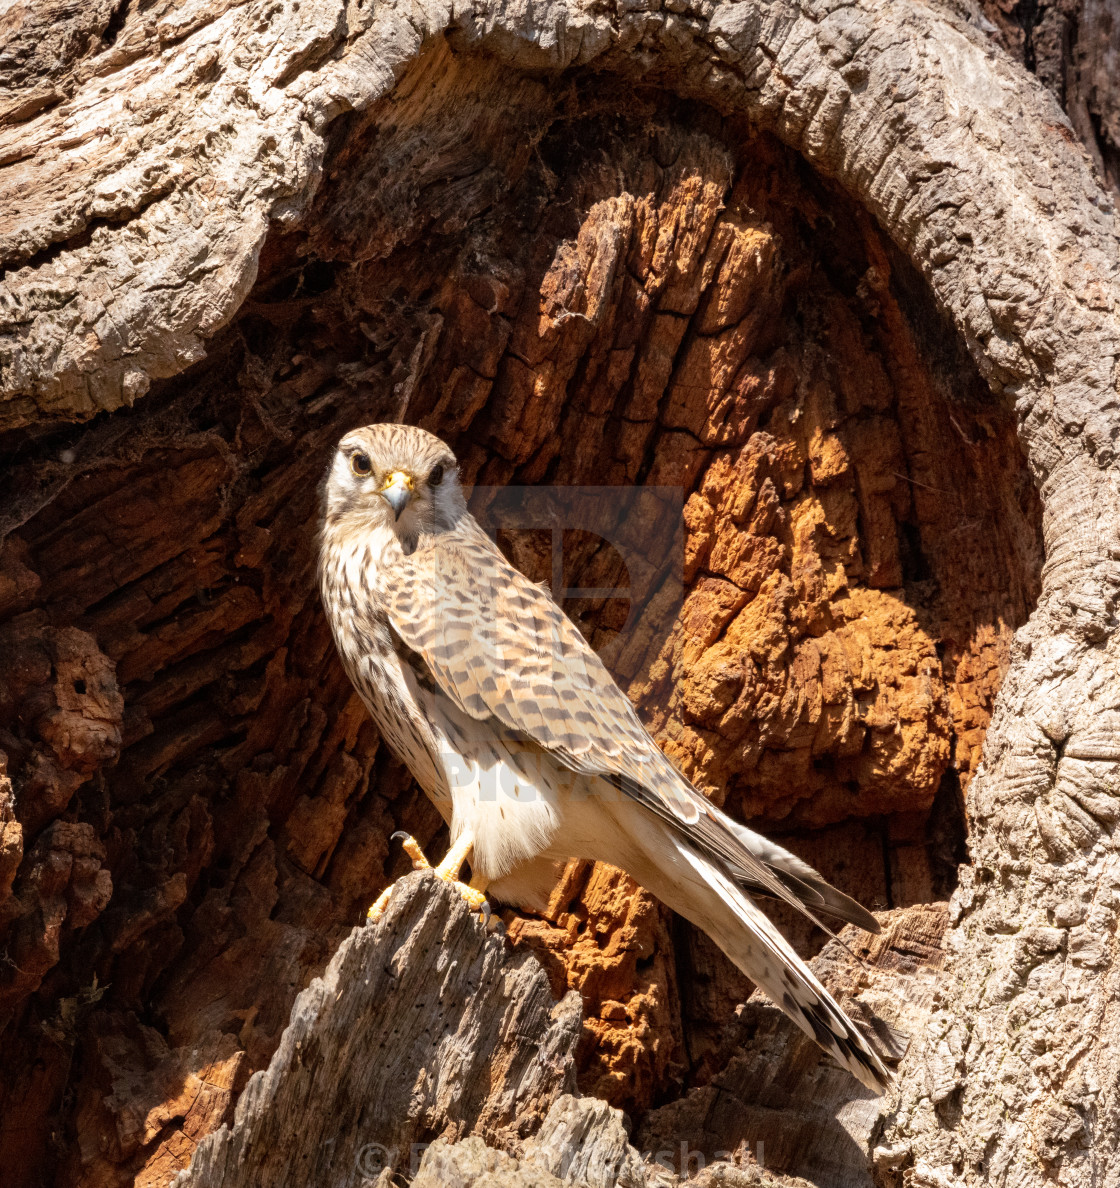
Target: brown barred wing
{"type": "Point", "coordinates": [501, 648]}
{"type": "Point", "coordinates": [498, 645]}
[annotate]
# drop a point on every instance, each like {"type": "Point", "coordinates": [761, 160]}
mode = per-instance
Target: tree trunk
{"type": "Point", "coordinates": [837, 285]}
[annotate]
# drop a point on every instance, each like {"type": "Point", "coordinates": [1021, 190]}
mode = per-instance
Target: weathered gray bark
{"type": "Point", "coordinates": [131, 229]}
{"type": "Point", "coordinates": [421, 1028]}
{"type": "Point", "coordinates": [1073, 46]}
{"type": "Point", "coordinates": [427, 1049]}
{"type": "Point", "coordinates": [958, 154]}
{"type": "Point", "coordinates": [824, 1130]}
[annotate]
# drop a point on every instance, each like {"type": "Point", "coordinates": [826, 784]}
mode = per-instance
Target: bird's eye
{"type": "Point", "coordinates": [360, 464]}
{"type": "Point", "coordinates": [436, 477]}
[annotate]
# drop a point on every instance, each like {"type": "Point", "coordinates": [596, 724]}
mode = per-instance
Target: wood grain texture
{"type": "Point", "coordinates": [140, 232]}
{"type": "Point", "coordinates": [1073, 46]}
{"type": "Point", "coordinates": [421, 1027]}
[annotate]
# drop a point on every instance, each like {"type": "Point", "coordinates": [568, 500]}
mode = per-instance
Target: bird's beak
{"type": "Point", "coordinates": [397, 491]}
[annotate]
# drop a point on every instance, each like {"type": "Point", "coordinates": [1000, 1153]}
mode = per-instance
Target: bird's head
{"type": "Point", "coordinates": [396, 476]}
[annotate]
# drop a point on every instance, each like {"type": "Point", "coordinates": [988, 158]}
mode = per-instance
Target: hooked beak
{"type": "Point", "coordinates": [397, 491]}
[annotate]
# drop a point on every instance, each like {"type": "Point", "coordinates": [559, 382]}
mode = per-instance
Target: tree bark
{"type": "Point", "coordinates": [387, 1051]}
{"type": "Point", "coordinates": [1073, 47]}
{"type": "Point", "coordinates": [843, 277]}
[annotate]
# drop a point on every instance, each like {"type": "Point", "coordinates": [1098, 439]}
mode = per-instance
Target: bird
{"type": "Point", "coordinates": [512, 725]}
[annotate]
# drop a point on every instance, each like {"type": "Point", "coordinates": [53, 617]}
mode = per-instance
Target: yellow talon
{"type": "Point", "coordinates": [448, 870]}
{"type": "Point", "coordinates": [412, 848]}
{"type": "Point", "coordinates": [377, 908]}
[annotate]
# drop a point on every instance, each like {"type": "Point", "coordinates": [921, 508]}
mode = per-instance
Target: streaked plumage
{"type": "Point", "coordinates": [514, 728]}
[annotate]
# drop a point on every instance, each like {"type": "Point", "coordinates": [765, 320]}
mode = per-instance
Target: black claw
{"type": "Point", "coordinates": [400, 833]}
{"type": "Point", "coordinates": [486, 912]}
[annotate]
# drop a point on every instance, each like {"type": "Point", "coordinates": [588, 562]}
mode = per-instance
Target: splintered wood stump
{"type": "Point", "coordinates": [422, 1026]}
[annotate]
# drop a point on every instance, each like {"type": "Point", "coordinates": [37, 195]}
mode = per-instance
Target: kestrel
{"type": "Point", "coordinates": [513, 727]}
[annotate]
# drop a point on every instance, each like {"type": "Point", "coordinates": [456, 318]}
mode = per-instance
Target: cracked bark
{"type": "Point", "coordinates": [825, 270]}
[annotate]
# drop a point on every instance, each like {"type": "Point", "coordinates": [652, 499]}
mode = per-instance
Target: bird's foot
{"type": "Point", "coordinates": [448, 870]}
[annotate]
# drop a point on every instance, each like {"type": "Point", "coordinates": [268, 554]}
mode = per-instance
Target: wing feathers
{"type": "Point", "coordinates": [803, 880]}
{"type": "Point", "coordinates": [500, 648]}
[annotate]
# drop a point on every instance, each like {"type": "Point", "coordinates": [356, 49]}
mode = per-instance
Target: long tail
{"type": "Point", "coordinates": [748, 938]}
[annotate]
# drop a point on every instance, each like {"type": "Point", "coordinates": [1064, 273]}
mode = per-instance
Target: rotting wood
{"type": "Point", "coordinates": [421, 1027]}
{"type": "Point", "coordinates": [134, 226]}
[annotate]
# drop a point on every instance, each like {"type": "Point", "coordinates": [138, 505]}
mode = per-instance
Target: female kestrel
{"type": "Point", "coordinates": [515, 729]}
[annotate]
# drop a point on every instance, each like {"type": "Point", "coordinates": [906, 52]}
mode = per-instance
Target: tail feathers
{"type": "Point", "coordinates": [756, 864]}
{"type": "Point", "coordinates": [800, 878]}
{"type": "Point", "coordinates": [763, 954]}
